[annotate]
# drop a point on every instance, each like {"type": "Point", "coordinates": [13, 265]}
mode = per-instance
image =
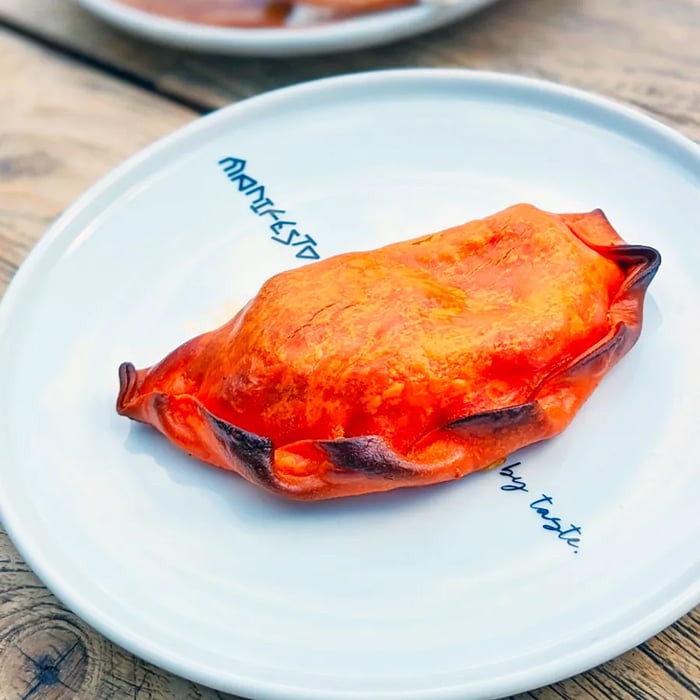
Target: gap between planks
{"type": "Point", "coordinates": [96, 63]}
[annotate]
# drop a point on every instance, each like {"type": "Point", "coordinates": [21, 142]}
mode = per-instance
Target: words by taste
{"type": "Point", "coordinates": [544, 508]}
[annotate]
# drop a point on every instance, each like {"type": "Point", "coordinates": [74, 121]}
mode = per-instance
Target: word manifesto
{"type": "Point", "coordinates": [284, 231]}
{"type": "Point", "coordinates": [543, 507]}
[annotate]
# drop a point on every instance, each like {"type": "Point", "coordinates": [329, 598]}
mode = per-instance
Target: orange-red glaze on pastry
{"type": "Point", "coordinates": [415, 363]}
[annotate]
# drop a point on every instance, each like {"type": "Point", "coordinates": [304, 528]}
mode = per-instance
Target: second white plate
{"type": "Point", "coordinates": [340, 35]}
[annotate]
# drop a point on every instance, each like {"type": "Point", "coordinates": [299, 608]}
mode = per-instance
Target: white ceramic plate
{"type": "Point", "coordinates": [355, 33]}
{"type": "Point", "coordinates": [453, 591]}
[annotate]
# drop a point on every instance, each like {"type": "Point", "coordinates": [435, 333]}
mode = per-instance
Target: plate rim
{"type": "Point", "coordinates": [360, 32]}
{"type": "Point", "coordinates": [599, 651]}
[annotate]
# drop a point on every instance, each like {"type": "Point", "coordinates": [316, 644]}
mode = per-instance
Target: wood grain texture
{"type": "Point", "coordinates": [63, 124]}
{"type": "Point", "coordinates": [645, 52]}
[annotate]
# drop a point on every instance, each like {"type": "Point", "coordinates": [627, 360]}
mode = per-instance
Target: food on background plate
{"type": "Point", "coordinates": [261, 13]}
{"type": "Point", "coordinates": [412, 364]}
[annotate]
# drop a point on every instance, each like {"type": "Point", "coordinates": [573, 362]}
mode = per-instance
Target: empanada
{"type": "Point", "coordinates": [415, 363]}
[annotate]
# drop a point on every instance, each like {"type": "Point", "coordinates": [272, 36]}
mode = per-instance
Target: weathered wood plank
{"type": "Point", "coordinates": [644, 52]}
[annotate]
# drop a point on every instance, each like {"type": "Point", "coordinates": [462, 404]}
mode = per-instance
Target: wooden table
{"type": "Point", "coordinates": [78, 97]}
